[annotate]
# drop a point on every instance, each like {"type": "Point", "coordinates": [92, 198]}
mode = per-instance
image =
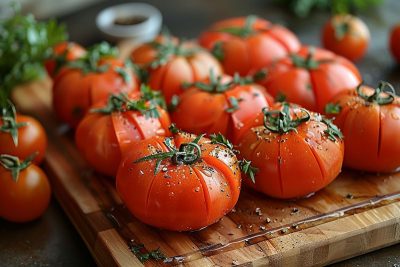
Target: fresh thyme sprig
{"type": "Point", "coordinates": [280, 121]}
{"type": "Point", "coordinates": [246, 168]}
{"type": "Point", "coordinates": [188, 153]}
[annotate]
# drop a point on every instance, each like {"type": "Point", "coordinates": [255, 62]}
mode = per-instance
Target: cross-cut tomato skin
{"type": "Point", "coordinates": [294, 164]}
{"type": "Point", "coordinates": [179, 197]}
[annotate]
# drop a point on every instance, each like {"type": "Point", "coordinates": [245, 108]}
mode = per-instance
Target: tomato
{"type": "Point", "coordinates": [248, 43]}
{"type": "Point", "coordinates": [220, 105]}
{"type": "Point", "coordinates": [370, 121]}
{"type": "Point", "coordinates": [22, 136]}
{"type": "Point", "coordinates": [169, 63]}
{"type": "Point", "coordinates": [110, 129]}
{"type": "Point", "coordinates": [62, 53]}
{"type": "Point", "coordinates": [347, 36]}
{"type": "Point", "coordinates": [310, 78]}
{"type": "Point", "coordinates": [183, 184]}
{"type": "Point", "coordinates": [24, 197]}
{"type": "Point", "coordinates": [296, 152]}
{"type": "Point", "coordinates": [394, 42]}
{"type": "Point", "coordinates": [88, 80]}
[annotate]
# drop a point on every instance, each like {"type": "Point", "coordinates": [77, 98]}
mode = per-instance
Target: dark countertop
{"type": "Point", "coordinates": [53, 241]}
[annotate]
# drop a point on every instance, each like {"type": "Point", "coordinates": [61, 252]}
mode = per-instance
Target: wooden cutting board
{"type": "Point", "coordinates": [356, 214]}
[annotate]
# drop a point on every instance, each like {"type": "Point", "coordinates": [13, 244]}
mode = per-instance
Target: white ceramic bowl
{"type": "Point", "coordinates": [142, 31]}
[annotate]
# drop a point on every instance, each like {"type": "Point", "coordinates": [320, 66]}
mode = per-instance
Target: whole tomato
{"type": "Point", "coordinates": [24, 190]}
{"type": "Point", "coordinates": [21, 136]}
{"type": "Point", "coordinates": [220, 105]}
{"type": "Point", "coordinates": [246, 44]}
{"type": "Point", "coordinates": [170, 62]}
{"type": "Point", "coordinates": [310, 78]}
{"type": "Point", "coordinates": [294, 153]}
{"type": "Point", "coordinates": [394, 42]}
{"type": "Point", "coordinates": [347, 36]}
{"type": "Point", "coordinates": [63, 53]}
{"type": "Point", "coordinates": [370, 121]}
{"type": "Point", "coordinates": [182, 183]}
{"type": "Point", "coordinates": [110, 128]}
{"type": "Point", "coordinates": [88, 80]}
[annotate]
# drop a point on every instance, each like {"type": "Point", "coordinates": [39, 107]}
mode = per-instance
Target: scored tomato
{"type": "Point", "coordinates": [247, 44]}
{"type": "Point", "coordinates": [24, 190]}
{"type": "Point", "coordinates": [370, 121]}
{"type": "Point", "coordinates": [295, 152]}
{"type": "Point", "coordinates": [222, 104]}
{"type": "Point", "coordinates": [182, 183]}
{"type": "Point", "coordinates": [310, 78]}
{"type": "Point", "coordinates": [22, 136]}
{"type": "Point", "coordinates": [110, 128]}
{"type": "Point", "coordinates": [90, 79]}
{"type": "Point", "coordinates": [170, 62]}
{"type": "Point", "coordinates": [63, 53]}
{"type": "Point", "coordinates": [394, 42]}
{"type": "Point", "coordinates": [347, 36]}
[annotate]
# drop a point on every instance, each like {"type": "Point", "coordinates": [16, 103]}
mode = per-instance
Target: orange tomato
{"type": "Point", "coordinates": [347, 36]}
{"type": "Point", "coordinates": [88, 80]}
{"type": "Point", "coordinates": [310, 78]}
{"type": "Point", "coordinates": [394, 42]}
{"type": "Point", "coordinates": [370, 121]}
{"type": "Point", "coordinates": [220, 105]}
{"type": "Point", "coordinates": [246, 44]}
{"type": "Point", "coordinates": [22, 136]}
{"type": "Point", "coordinates": [169, 63]}
{"type": "Point", "coordinates": [296, 152]}
{"type": "Point", "coordinates": [109, 130]}
{"type": "Point", "coordinates": [184, 183]}
{"type": "Point", "coordinates": [63, 53]}
{"type": "Point", "coordinates": [24, 197]}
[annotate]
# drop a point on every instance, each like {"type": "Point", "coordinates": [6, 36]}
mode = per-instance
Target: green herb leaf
{"type": "Point", "coordinates": [124, 74]}
{"type": "Point", "coordinates": [218, 51]}
{"type": "Point", "coordinates": [138, 250]}
{"type": "Point", "coordinates": [332, 108]}
{"type": "Point", "coordinates": [221, 139]}
{"type": "Point", "coordinates": [246, 168]}
{"type": "Point", "coordinates": [174, 103]}
{"type": "Point", "coordinates": [234, 104]}
{"type": "Point", "coordinates": [25, 44]}
{"type": "Point", "coordinates": [173, 129]}
{"type": "Point", "coordinates": [332, 131]}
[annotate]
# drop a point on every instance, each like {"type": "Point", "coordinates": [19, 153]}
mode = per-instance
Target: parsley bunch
{"type": "Point", "coordinates": [25, 44]}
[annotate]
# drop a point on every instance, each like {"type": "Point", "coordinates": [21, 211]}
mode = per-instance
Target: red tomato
{"type": "Point", "coordinates": [296, 152]}
{"type": "Point", "coordinates": [89, 80]}
{"type": "Point", "coordinates": [187, 190]}
{"type": "Point", "coordinates": [310, 78]}
{"type": "Point", "coordinates": [63, 53]}
{"type": "Point", "coordinates": [248, 43]}
{"type": "Point", "coordinates": [22, 136]}
{"type": "Point", "coordinates": [370, 121]}
{"type": "Point", "coordinates": [169, 63]}
{"type": "Point", "coordinates": [347, 36]}
{"type": "Point", "coordinates": [109, 130]}
{"type": "Point", "coordinates": [230, 105]}
{"type": "Point", "coordinates": [26, 197]}
{"type": "Point", "coordinates": [395, 42]}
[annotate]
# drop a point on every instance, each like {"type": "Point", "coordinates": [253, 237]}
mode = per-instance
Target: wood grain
{"type": "Point", "coordinates": [330, 226]}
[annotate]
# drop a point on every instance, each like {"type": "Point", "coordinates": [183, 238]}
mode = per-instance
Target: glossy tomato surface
{"type": "Point", "coordinates": [32, 139]}
{"type": "Point", "coordinates": [394, 42]}
{"type": "Point", "coordinates": [179, 197]}
{"type": "Point", "coordinates": [295, 163]}
{"type": "Point", "coordinates": [220, 106]}
{"type": "Point", "coordinates": [102, 137]}
{"type": "Point", "coordinates": [311, 78]}
{"type": "Point", "coordinates": [171, 63]}
{"type": "Point", "coordinates": [347, 36]}
{"type": "Point", "coordinates": [75, 89]}
{"type": "Point", "coordinates": [371, 131]}
{"type": "Point", "coordinates": [27, 198]}
{"type": "Point", "coordinates": [247, 44]}
{"type": "Point", "coordinates": [63, 53]}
